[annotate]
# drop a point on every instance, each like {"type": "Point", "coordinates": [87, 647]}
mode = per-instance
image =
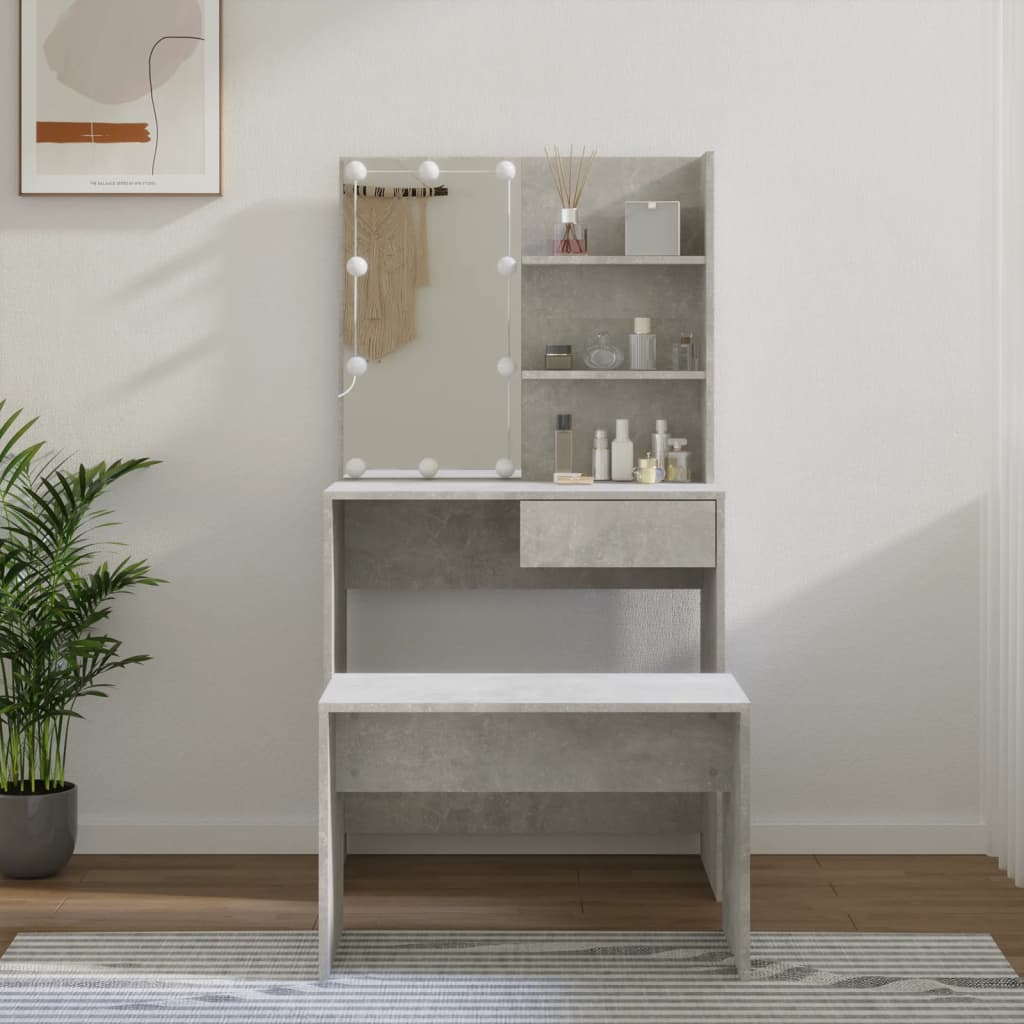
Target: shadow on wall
{"type": "Point", "coordinates": [866, 687]}
{"type": "Point", "coordinates": [245, 418]}
{"type": "Point", "coordinates": [256, 438]}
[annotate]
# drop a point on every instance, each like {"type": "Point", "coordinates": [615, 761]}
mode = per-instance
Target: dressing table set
{"type": "Point", "coordinates": [423, 506]}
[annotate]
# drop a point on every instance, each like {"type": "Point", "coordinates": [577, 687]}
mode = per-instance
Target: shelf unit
{"type": "Point", "coordinates": [613, 261]}
{"type": "Point", "coordinates": [617, 375]}
{"type": "Point", "coordinates": [602, 291]}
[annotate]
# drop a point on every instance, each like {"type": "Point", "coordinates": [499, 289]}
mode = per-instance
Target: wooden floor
{"type": "Point", "coordinates": [806, 893]}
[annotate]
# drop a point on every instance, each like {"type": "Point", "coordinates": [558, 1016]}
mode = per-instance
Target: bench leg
{"type": "Point", "coordinates": [331, 850]}
{"type": "Point", "coordinates": [712, 841]}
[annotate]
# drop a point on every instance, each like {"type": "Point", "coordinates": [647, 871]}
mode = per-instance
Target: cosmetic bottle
{"type": "Point", "coordinates": [642, 345]}
{"type": "Point", "coordinates": [659, 442]}
{"type": "Point", "coordinates": [622, 452]}
{"type": "Point", "coordinates": [683, 353]}
{"type": "Point", "coordinates": [601, 354]}
{"type": "Point", "coordinates": [563, 443]}
{"type": "Point", "coordinates": [602, 456]}
{"type": "Point", "coordinates": [677, 466]}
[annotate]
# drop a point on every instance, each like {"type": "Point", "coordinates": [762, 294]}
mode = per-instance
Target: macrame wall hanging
{"type": "Point", "coordinates": [392, 224]}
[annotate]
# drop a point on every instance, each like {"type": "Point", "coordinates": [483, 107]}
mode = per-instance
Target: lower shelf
{"type": "Point", "coordinates": [621, 375]}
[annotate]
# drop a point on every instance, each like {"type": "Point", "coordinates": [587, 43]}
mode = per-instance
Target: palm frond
{"type": "Point", "coordinates": [56, 591]}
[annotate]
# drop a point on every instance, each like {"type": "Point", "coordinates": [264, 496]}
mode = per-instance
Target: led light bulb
{"type": "Point", "coordinates": [355, 170]}
{"type": "Point", "coordinates": [428, 172]}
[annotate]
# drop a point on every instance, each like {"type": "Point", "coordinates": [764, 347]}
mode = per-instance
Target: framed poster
{"type": "Point", "coordinates": [120, 97]}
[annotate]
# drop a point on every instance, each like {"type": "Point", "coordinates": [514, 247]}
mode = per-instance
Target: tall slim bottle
{"type": "Point", "coordinates": [563, 443]}
{"type": "Point", "coordinates": [622, 452]}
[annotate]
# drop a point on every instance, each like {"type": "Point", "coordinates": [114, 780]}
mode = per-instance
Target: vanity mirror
{"type": "Point", "coordinates": [430, 316]}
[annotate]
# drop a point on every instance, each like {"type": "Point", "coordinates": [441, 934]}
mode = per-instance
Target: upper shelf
{"type": "Point", "coordinates": [613, 261]}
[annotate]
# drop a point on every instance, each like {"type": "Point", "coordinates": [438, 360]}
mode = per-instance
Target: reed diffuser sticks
{"type": "Point", "coordinates": [570, 175]}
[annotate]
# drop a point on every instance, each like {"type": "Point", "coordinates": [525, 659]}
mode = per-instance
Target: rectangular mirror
{"type": "Point", "coordinates": [432, 316]}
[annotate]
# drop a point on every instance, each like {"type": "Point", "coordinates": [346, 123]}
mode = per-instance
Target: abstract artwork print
{"type": "Point", "coordinates": [120, 97]}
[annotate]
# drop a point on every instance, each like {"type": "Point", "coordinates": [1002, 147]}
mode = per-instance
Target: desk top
{"type": "Point", "coordinates": [487, 487]}
{"type": "Point", "coordinates": [618, 692]}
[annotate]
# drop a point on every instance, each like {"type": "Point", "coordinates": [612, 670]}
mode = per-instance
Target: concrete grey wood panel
{"type": "Point", "coordinates": [522, 814]}
{"type": "Point", "coordinates": [598, 534]}
{"type": "Point", "coordinates": [736, 847]}
{"type": "Point", "coordinates": [335, 592]}
{"type": "Point", "coordinates": [712, 603]}
{"type": "Point", "coordinates": [471, 693]}
{"type": "Point", "coordinates": [533, 753]}
{"type": "Point", "coordinates": [567, 305]}
{"type": "Point", "coordinates": [478, 486]}
{"type": "Point", "coordinates": [613, 180]}
{"type": "Point", "coordinates": [466, 545]}
{"type": "Point", "coordinates": [330, 847]}
{"type": "Point", "coordinates": [707, 346]}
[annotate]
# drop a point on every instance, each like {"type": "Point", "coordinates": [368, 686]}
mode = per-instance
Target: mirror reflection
{"type": "Point", "coordinates": [432, 313]}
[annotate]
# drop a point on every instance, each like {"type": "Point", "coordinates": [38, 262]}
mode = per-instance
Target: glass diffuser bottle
{"type": "Point", "coordinates": [570, 236]}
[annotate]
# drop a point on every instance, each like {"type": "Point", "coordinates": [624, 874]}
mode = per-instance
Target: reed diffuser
{"type": "Point", "coordinates": [570, 175]}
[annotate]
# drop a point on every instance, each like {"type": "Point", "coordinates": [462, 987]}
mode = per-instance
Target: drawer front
{"type": "Point", "coordinates": [617, 534]}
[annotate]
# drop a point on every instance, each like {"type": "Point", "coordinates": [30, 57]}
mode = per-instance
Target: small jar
{"type": "Point", "coordinates": [558, 357]}
{"type": "Point", "coordinates": [648, 471]}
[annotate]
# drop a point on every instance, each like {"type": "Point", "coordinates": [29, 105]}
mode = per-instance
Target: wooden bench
{"type": "Point", "coordinates": [541, 733]}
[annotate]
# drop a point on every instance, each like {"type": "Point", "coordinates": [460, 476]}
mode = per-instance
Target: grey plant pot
{"type": "Point", "coordinates": [37, 832]}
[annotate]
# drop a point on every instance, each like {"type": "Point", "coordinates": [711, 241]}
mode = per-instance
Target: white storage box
{"type": "Point", "coordinates": [652, 228]}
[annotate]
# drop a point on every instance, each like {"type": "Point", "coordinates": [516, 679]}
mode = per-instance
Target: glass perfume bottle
{"type": "Point", "coordinates": [683, 354]}
{"type": "Point", "coordinates": [601, 354]}
{"type": "Point", "coordinates": [677, 463]}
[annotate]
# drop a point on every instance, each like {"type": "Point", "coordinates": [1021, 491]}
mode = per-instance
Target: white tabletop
{"type": "Point", "coordinates": [376, 692]}
{"type": "Point", "coordinates": [415, 488]}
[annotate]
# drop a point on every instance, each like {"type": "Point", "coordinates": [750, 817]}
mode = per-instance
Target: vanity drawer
{"type": "Point", "coordinates": [617, 534]}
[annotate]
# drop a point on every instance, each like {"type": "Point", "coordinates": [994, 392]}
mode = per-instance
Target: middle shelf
{"type": "Point", "coordinates": [613, 375]}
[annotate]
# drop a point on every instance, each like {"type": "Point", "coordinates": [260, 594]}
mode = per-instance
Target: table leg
{"type": "Point", "coordinates": [331, 849]}
{"type": "Point", "coordinates": [736, 848]}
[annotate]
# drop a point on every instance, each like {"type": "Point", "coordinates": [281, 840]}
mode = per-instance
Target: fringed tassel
{"type": "Point", "coordinates": [379, 192]}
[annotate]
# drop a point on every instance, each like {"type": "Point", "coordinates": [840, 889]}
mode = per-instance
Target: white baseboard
{"type": "Point", "coordinates": [868, 838]}
{"type": "Point", "coordinates": [291, 835]}
{"type": "Point", "coordinates": [106, 835]}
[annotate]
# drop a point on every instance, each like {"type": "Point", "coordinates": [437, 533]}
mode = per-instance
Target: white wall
{"type": "Point", "coordinates": [854, 159]}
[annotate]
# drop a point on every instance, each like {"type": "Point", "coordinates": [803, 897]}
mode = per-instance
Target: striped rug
{"type": "Point", "coordinates": [477, 977]}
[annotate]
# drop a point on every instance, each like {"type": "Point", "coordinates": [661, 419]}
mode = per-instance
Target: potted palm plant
{"type": "Point", "coordinates": [56, 592]}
